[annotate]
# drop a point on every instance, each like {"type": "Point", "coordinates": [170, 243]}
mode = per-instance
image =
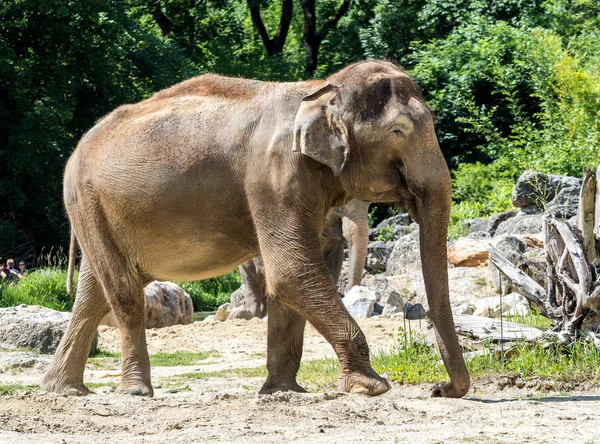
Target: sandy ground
{"type": "Point", "coordinates": [219, 409]}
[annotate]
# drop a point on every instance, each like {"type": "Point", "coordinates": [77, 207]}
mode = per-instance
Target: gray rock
{"type": "Point", "coordinates": [223, 312]}
{"type": "Point", "coordinates": [535, 189]}
{"type": "Point", "coordinates": [166, 304]}
{"type": "Point", "coordinates": [360, 302]}
{"type": "Point", "coordinates": [23, 360]}
{"type": "Point", "coordinates": [565, 204]}
{"type": "Point", "coordinates": [477, 225]}
{"type": "Point", "coordinates": [512, 249]}
{"type": "Point", "coordinates": [521, 224]}
{"type": "Point", "coordinates": [512, 304]}
{"type": "Point", "coordinates": [405, 255]}
{"type": "Point", "coordinates": [378, 254]}
{"type": "Point", "coordinates": [238, 297]}
{"type": "Point", "coordinates": [414, 312]}
{"type": "Point", "coordinates": [240, 313]}
{"type": "Point", "coordinates": [497, 219]}
{"type": "Point", "coordinates": [398, 219]}
{"type": "Point", "coordinates": [33, 327]}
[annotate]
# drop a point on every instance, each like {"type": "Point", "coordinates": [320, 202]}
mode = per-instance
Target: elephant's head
{"type": "Point", "coordinates": [371, 126]}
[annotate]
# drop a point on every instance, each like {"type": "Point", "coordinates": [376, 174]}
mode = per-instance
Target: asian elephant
{"type": "Point", "coordinates": [351, 223]}
{"type": "Point", "coordinates": [213, 171]}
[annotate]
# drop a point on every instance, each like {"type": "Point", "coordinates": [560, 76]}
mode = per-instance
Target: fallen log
{"type": "Point", "coordinates": [482, 328]}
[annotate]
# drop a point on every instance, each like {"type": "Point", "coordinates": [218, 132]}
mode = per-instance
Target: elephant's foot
{"type": "Point", "coordinates": [271, 386]}
{"type": "Point", "coordinates": [355, 382]}
{"type": "Point", "coordinates": [135, 388]}
{"type": "Point", "coordinates": [51, 384]}
{"type": "Point", "coordinates": [449, 390]}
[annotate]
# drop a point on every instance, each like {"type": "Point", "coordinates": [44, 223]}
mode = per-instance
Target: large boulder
{"type": "Point", "coordinates": [223, 312]}
{"type": "Point", "coordinates": [521, 224]}
{"type": "Point", "coordinates": [541, 192]}
{"type": "Point", "coordinates": [387, 298]}
{"type": "Point", "coordinates": [512, 249]}
{"type": "Point", "coordinates": [360, 302]}
{"type": "Point", "coordinates": [166, 304]}
{"type": "Point", "coordinates": [33, 327]}
{"type": "Point", "coordinates": [240, 313]}
{"type": "Point", "coordinates": [405, 256]}
{"type": "Point", "coordinates": [378, 254]}
{"type": "Point", "coordinates": [468, 252]}
{"type": "Point", "coordinates": [513, 304]}
{"type": "Point", "coordinates": [238, 297]}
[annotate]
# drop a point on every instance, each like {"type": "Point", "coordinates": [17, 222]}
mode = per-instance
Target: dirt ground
{"type": "Point", "coordinates": [227, 409]}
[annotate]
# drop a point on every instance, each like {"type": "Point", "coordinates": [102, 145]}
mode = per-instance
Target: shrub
{"type": "Point", "coordinates": [46, 287]}
{"type": "Point", "coordinates": [208, 294]}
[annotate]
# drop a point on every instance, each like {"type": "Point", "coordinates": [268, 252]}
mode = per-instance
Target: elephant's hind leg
{"type": "Point", "coordinates": [284, 348]}
{"type": "Point", "coordinates": [66, 372]}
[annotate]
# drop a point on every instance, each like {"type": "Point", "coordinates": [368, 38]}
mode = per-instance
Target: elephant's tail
{"type": "Point", "coordinates": [71, 267]}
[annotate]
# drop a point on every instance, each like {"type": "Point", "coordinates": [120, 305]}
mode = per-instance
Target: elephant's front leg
{"type": "Point", "coordinates": [297, 274]}
{"type": "Point", "coordinates": [284, 348]}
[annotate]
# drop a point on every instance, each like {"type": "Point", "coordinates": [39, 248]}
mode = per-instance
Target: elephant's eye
{"type": "Point", "coordinates": [398, 132]}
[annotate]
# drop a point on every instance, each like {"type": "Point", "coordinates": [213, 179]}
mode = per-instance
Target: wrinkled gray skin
{"type": "Point", "coordinates": [351, 223]}
{"type": "Point", "coordinates": [214, 171]}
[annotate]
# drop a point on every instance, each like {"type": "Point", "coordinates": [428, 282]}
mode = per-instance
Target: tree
{"type": "Point", "coordinates": [312, 39]}
{"type": "Point", "coordinates": [274, 45]}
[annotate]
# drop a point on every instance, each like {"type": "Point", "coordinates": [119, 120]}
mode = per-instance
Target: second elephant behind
{"type": "Point", "coordinates": [351, 223]}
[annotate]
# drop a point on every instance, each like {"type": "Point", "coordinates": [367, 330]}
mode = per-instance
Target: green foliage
{"type": "Point", "coordinates": [479, 191]}
{"type": "Point", "coordinates": [415, 361]}
{"type": "Point", "coordinates": [45, 287]}
{"type": "Point", "coordinates": [386, 234]}
{"type": "Point", "coordinates": [514, 83]}
{"type": "Point", "coordinates": [209, 294]}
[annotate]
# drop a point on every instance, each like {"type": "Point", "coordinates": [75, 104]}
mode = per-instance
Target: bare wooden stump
{"type": "Point", "coordinates": [572, 299]}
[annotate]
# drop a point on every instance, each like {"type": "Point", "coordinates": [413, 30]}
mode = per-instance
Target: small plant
{"type": "Point", "coordinates": [209, 294]}
{"type": "Point", "coordinates": [386, 234]}
{"type": "Point", "coordinates": [46, 287]}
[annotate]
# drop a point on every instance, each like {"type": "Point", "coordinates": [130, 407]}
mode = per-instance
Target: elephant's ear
{"type": "Point", "coordinates": [316, 131]}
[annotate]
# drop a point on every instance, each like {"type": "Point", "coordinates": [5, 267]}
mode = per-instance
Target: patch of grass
{"type": "Point", "coordinates": [319, 374]}
{"type": "Point", "coordinates": [418, 362]}
{"type": "Point", "coordinates": [11, 389]}
{"type": "Point", "coordinates": [181, 358]}
{"type": "Point", "coordinates": [46, 287]}
{"type": "Point", "coordinates": [105, 359]}
{"type": "Point", "coordinates": [209, 294]}
{"type": "Point", "coordinates": [532, 320]}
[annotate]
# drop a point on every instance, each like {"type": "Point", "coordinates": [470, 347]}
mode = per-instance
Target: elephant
{"type": "Point", "coordinates": [213, 171]}
{"type": "Point", "coordinates": [351, 223]}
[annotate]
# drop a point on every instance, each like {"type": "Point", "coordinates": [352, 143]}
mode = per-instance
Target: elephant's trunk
{"type": "Point", "coordinates": [433, 208]}
{"type": "Point", "coordinates": [355, 226]}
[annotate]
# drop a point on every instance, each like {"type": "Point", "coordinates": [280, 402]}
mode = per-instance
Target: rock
{"type": "Point", "coordinates": [464, 309]}
{"type": "Point", "coordinates": [512, 249]}
{"type": "Point", "coordinates": [565, 204]}
{"type": "Point", "coordinates": [402, 219]}
{"type": "Point", "coordinates": [538, 190]}
{"type": "Point", "coordinates": [477, 225]}
{"type": "Point", "coordinates": [414, 312]}
{"type": "Point", "coordinates": [405, 255]}
{"type": "Point", "coordinates": [521, 224]}
{"type": "Point", "coordinates": [209, 318]}
{"type": "Point", "coordinates": [533, 240]}
{"type": "Point", "coordinates": [390, 301]}
{"type": "Point", "coordinates": [240, 313]}
{"type": "Point", "coordinates": [34, 327]}
{"type": "Point", "coordinates": [497, 219]}
{"type": "Point", "coordinates": [534, 264]}
{"type": "Point", "coordinates": [23, 360]}
{"type": "Point", "coordinates": [378, 254]}
{"type": "Point", "coordinates": [166, 304]}
{"type": "Point", "coordinates": [512, 304]}
{"type": "Point", "coordinates": [468, 253]}
{"type": "Point", "coordinates": [223, 312]}
{"type": "Point", "coordinates": [360, 302]}
{"type": "Point", "coordinates": [238, 297]}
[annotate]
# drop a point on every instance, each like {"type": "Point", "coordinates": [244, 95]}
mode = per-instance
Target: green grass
{"type": "Point", "coordinates": [105, 360]}
{"type": "Point", "coordinates": [418, 362]}
{"type": "Point", "coordinates": [11, 389]}
{"type": "Point", "coordinates": [209, 294]}
{"type": "Point", "coordinates": [46, 287]}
